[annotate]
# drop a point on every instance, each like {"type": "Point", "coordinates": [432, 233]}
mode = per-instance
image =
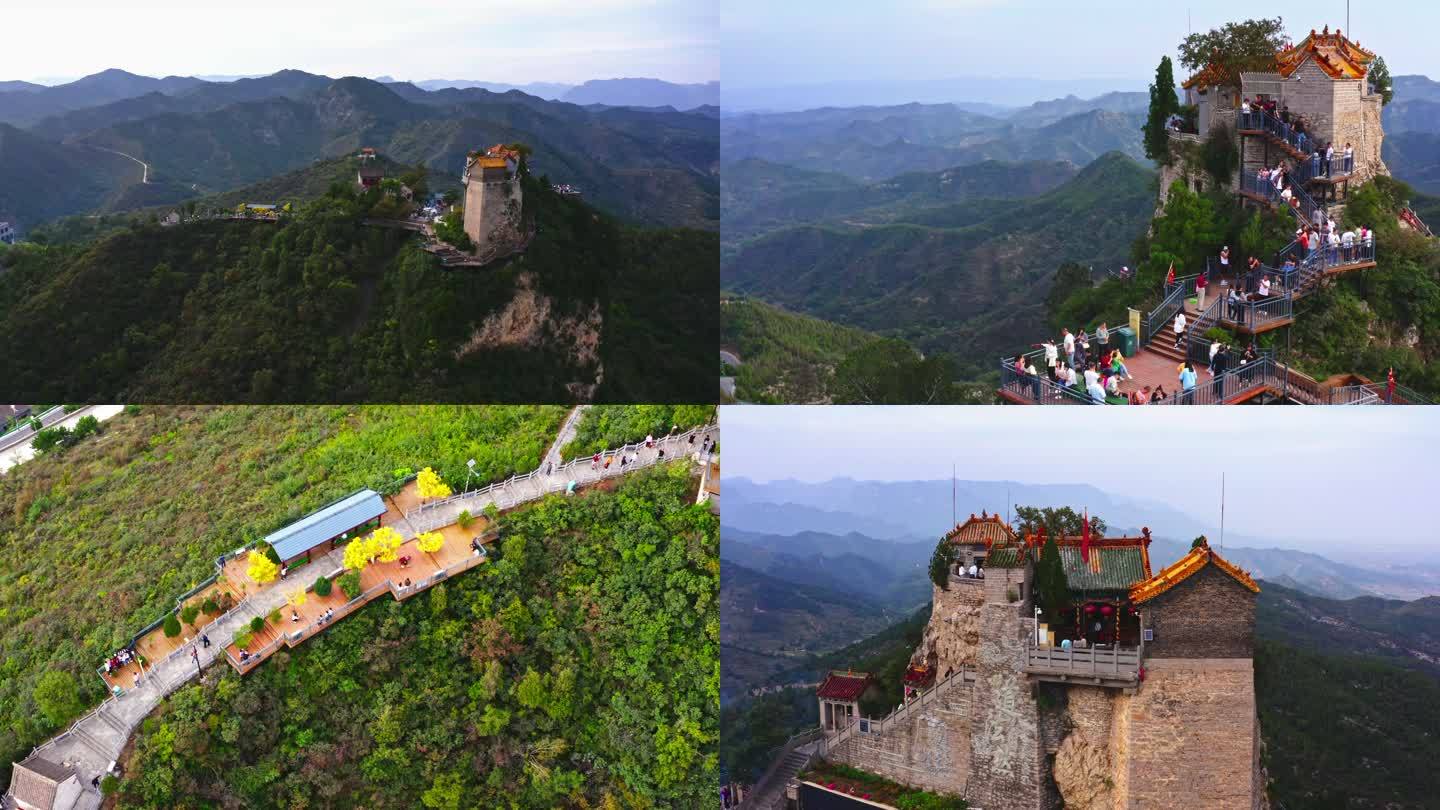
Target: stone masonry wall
{"type": "Point", "coordinates": [953, 632]}
{"type": "Point", "coordinates": [930, 749]}
{"type": "Point", "coordinates": [1209, 615]}
{"type": "Point", "coordinates": [1007, 760]}
{"type": "Point", "coordinates": [1191, 732]}
{"type": "Point", "coordinates": [492, 214]}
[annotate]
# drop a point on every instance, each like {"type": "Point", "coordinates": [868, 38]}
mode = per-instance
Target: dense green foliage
{"type": "Point", "coordinates": [323, 308]}
{"type": "Point", "coordinates": [1052, 592]}
{"type": "Point", "coordinates": [758, 196]}
{"type": "Point", "coordinates": [941, 560]}
{"type": "Point", "coordinates": [968, 279]}
{"type": "Point", "coordinates": [578, 670]}
{"type": "Point", "coordinates": [752, 728]}
{"type": "Point", "coordinates": [890, 372]}
{"type": "Point", "coordinates": [99, 542]}
{"type": "Point", "coordinates": [1379, 78]}
{"type": "Point", "coordinates": [1234, 48]}
{"type": "Point", "coordinates": [1346, 732]}
{"type": "Point", "coordinates": [1163, 104]}
{"type": "Point", "coordinates": [607, 426]}
{"type": "Point", "coordinates": [784, 357]}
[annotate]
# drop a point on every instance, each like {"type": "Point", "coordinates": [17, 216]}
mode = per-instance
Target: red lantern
{"type": "Point", "coordinates": [1089, 608]}
{"type": "Point", "coordinates": [1106, 610]}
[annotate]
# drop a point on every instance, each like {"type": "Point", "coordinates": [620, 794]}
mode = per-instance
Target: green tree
{"type": "Point", "coordinates": [1056, 521]}
{"type": "Point", "coordinates": [446, 792]}
{"type": "Point", "coordinates": [941, 561]}
{"type": "Point", "coordinates": [530, 691]}
{"type": "Point", "coordinates": [57, 696]}
{"type": "Point", "coordinates": [1235, 48]}
{"type": "Point", "coordinates": [1379, 78]}
{"type": "Point", "coordinates": [172, 626]}
{"type": "Point", "coordinates": [322, 585]}
{"type": "Point", "coordinates": [890, 372]}
{"type": "Point", "coordinates": [1163, 104]}
{"type": "Point", "coordinates": [1069, 279]}
{"type": "Point", "coordinates": [1052, 592]}
{"type": "Point", "coordinates": [189, 613]}
{"type": "Point", "coordinates": [350, 583]}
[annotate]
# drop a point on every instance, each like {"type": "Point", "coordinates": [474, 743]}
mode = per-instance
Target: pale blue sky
{"type": "Point", "coordinates": [1364, 474]}
{"type": "Point", "coordinates": [534, 40]}
{"type": "Point", "coordinates": [798, 42]}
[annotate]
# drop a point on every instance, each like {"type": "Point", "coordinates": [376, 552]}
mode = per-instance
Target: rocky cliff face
{"type": "Point", "coordinates": [953, 632]}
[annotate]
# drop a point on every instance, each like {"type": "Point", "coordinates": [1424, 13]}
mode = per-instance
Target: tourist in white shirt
{"type": "Point", "coordinates": [1069, 342]}
{"type": "Point", "coordinates": [1179, 328]}
{"type": "Point", "coordinates": [1091, 376]}
{"type": "Point", "coordinates": [1264, 290]}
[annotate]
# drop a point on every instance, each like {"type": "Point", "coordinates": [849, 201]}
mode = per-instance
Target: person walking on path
{"type": "Point", "coordinates": [1187, 381]}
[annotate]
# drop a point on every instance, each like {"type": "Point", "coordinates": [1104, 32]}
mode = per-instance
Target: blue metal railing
{"type": "Point", "coordinates": [1231, 384]}
{"type": "Point", "coordinates": [1164, 312]}
{"type": "Point", "coordinates": [1376, 394]}
{"type": "Point", "coordinates": [1038, 388]}
{"type": "Point", "coordinates": [1261, 121]}
{"type": "Point", "coordinates": [1314, 166]}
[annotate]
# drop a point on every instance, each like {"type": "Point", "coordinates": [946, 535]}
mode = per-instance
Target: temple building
{"type": "Point", "coordinates": [1137, 693]}
{"type": "Point", "coordinates": [39, 784]}
{"type": "Point", "coordinates": [494, 201]}
{"type": "Point", "coordinates": [1318, 93]}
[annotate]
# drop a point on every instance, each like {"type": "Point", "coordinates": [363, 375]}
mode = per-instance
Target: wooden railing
{"type": "Point", "coordinates": [1122, 663]}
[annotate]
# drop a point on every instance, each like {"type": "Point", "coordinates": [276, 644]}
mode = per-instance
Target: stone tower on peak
{"type": "Point", "coordinates": [494, 201]}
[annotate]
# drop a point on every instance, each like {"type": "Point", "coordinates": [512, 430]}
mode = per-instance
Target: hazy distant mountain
{"type": "Point", "coordinates": [1414, 86]}
{"type": "Point", "coordinates": [27, 105]}
{"type": "Point", "coordinates": [1048, 112]}
{"type": "Point", "coordinates": [875, 143]}
{"type": "Point", "coordinates": [652, 166]}
{"type": "Point", "coordinates": [920, 511]}
{"type": "Point", "coordinates": [758, 196]}
{"type": "Point", "coordinates": [984, 94]}
{"type": "Point", "coordinates": [1411, 115]}
{"type": "Point", "coordinates": [40, 179]}
{"type": "Point", "coordinates": [645, 93]}
{"type": "Point", "coordinates": [8, 87]}
{"type": "Point", "coordinates": [546, 90]}
{"type": "Point", "coordinates": [1415, 157]}
{"type": "Point", "coordinates": [971, 273]}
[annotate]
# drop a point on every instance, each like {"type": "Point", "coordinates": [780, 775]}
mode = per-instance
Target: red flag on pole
{"type": "Point", "coordinates": [1170, 277]}
{"type": "Point", "coordinates": [1085, 538]}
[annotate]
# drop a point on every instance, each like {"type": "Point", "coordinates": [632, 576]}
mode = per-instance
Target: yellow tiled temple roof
{"type": "Point", "coordinates": [1333, 53]}
{"type": "Point", "coordinates": [987, 529]}
{"type": "Point", "coordinates": [1182, 569]}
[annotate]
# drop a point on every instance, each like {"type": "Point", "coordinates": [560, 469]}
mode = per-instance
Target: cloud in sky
{"type": "Point", "coordinates": [539, 40]}
{"type": "Point", "coordinates": [1354, 474]}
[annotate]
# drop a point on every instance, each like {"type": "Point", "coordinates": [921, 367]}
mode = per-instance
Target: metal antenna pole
{"type": "Point", "coordinates": [1222, 511]}
{"type": "Point", "coordinates": [954, 517]}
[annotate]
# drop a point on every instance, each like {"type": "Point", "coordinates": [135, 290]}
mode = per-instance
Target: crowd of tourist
{"type": "Point", "coordinates": [1069, 364]}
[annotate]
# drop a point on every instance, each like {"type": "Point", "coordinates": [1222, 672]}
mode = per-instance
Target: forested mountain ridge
{"type": "Point", "coordinates": [323, 308]}
{"type": "Point", "coordinates": [647, 166]}
{"type": "Point", "coordinates": [968, 278]}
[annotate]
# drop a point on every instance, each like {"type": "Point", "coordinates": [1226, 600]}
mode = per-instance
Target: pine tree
{"type": "Point", "coordinates": [1051, 590]}
{"type": "Point", "coordinates": [1163, 104]}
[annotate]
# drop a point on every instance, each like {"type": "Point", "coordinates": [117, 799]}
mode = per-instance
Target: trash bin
{"type": "Point", "coordinates": [1124, 340]}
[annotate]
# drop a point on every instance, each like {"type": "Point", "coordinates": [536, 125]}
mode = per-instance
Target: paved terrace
{"type": "Point", "coordinates": [93, 743]}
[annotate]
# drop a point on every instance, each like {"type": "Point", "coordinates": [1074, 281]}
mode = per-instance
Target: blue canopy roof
{"type": "Point", "coordinates": [330, 521]}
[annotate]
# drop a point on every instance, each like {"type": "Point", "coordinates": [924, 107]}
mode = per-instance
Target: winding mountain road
{"type": "Point", "coordinates": [145, 177]}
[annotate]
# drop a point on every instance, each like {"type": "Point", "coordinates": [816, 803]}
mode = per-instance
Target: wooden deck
{"type": "Point", "coordinates": [1112, 667]}
{"type": "Point", "coordinates": [299, 623]}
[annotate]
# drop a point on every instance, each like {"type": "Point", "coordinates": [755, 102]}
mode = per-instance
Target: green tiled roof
{"type": "Point", "coordinates": [1004, 558]}
{"type": "Point", "coordinates": [1119, 568]}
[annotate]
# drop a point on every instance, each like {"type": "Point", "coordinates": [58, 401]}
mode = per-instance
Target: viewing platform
{"type": "Point", "coordinates": [1100, 666]}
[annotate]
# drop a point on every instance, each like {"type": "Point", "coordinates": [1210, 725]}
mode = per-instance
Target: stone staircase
{"type": "Point", "coordinates": [771, 794]}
